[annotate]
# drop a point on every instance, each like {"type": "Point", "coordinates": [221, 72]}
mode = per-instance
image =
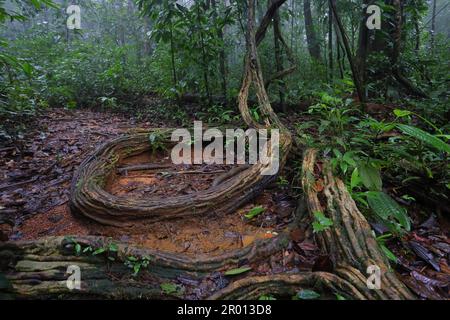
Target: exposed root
{"type": "Point", "coordinates": [350, 241]}
{"type": "Point", "coordinates": [37, 269]}
{"type": "Point", "coordinates": [288, 285]}
{"type": "Point", "coordinates": [89, 198]}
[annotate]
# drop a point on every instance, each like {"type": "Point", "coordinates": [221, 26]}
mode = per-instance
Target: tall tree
{"type": "Point", "coordinates": [330, 42]}
{"type": "Point", "coordinates": [433, 26]}
{"type": "Point", "coordinates": [344, 38]}
{"type": "Point", "coordinates": [311, 36]}
{"type": "Point", "coordinates": [363, 45]}
{"type": "Point", "coordinates": [278, 55]}
{"type": "Point", "coordinates": [222, 56]}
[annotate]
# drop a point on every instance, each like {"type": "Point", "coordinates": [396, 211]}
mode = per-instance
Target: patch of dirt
{"type": "Point", "coordinates": [206, 234]}
{"type": "Point", "coordinates": [36, 169]}
{"type": "Point", "coordinates": [49, 155]}
{"type": "Point", "coordinates": [170, 180]}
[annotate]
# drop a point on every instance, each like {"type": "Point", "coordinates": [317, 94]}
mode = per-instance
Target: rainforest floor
{"type": "Point", "coordinates": [37, 168]}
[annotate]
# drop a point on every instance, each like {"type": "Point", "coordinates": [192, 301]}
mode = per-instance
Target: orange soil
{"type": "Point", "coordinates": [208, 234]}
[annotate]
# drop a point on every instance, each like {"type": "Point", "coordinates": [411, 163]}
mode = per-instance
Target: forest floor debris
{"type": "Point", "coordinates": [36, 172]}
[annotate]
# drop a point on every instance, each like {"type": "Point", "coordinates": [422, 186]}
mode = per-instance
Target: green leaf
{"type": "Point", "coordinates": [266, 297]}
{"type": "Point", "coordinates": [370, 177]}
{"type": "Point", "coordinates": [27, 69]}
{"type": "Point", "coordinates": [78, 248]}
{"type": "Point", "coordinates": [113, 247]}
{"type": "Point", "coordinates": [339, 297]}
{"type": "Point", "coordinates": [348, 157]}
{"type": "Point", "coordinates": [386, 208]}
{"type": "Point", "coordinates": [389, 254]}
{"type": "Point", "coordinates": [98, 251]}
{"type": "Point", "coordinates": [237, 271]}
{"type": "Point", "coordinates": [425, 137]}
{"type": "Point", "coordinates": [89, 248]}
{"type": "Point", "coordinates": [307, 295]}
{"type": "Point", "coordinates": [355, 179]}
{"type": "Point", "coordinates": [136, 268]}
{"type": "Point", "coordinates": [169, 288]}
{"type": "Point", "coordinates": [254, 212]}
{"type": "Point", "coordinates": [321, 222]}
{"type": "Point", "coordinates": [402, 113]}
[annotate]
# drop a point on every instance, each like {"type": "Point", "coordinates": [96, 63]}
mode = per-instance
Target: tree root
{"type": "Point", "coordinates": [288, 285]}
{"type": "Point", "coordinates": [37, 269]}
{"type": "Point", "coordinates": [89, 198]}
{"type": "Point", "coordinates": [349, 242]}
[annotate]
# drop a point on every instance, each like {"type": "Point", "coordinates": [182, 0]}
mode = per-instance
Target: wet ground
{"type": "Point", "coordinates": [36, 171]}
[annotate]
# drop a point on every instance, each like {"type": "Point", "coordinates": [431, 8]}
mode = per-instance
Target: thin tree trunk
{"type": "Point", "coordinates": [396, 51]}
{"type": "Point", "coordinates": [344, 38]}
{"type": "Point", "coordinates": [311, 37]}
{"type": "Point", "coordinates": [172, 57]}
{"type": "Point", "coordinates": [278, 56]}
{"type": "Point", "coordinates": [330, 42]}
{"type": "Point", "coordinates": [433, 26]}
{"type": "Point", "coordinates": [204, 64]}
{"type": "Point", "coordinates": [222, 56]}
{"type": "Point", "coordinates": [363, 42]}
{"type": "Point", "coordinates": [339, 59]}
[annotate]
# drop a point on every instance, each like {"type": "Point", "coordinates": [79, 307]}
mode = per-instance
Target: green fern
{"type": "Point", "coordinates": [387, 209]}
{"type": "Point", "coordinates": [424, 137]}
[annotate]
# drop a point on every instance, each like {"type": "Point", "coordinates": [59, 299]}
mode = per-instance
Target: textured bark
{"type": "Point", "coordinates": [37, 269]}
{"type": "Point", "coordinates": [349, 242]}
{"type": "Point", "coordinates": [89, 198]}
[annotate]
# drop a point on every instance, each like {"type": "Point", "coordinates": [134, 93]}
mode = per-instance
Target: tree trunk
{"type": "Point", "coordinates": [363, 47]}
{"type": "Point", "coordinates": [330, 43]}
{"type": "Point", "coordinates": [204, 59]}
{"type": "Point", "coordinates": [396, 51]}
{"type": "Point", "coordinates": [222, 57]}
{"type": "Point", "coordinates": [433, 26]}
{"type": "Point", "coordinates": [344, 38]}
{"type": "Point", "coordinates": [311, 37]}
{"type": "Point", "coordinates": [278, 57]}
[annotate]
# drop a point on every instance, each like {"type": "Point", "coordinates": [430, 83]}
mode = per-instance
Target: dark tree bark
{"type": "Point", "coordinates": [278, 56]}
{"type": "Point", "coordinates": [330, 42]}
{"type": "Point", "coordinates": [205, 62]}
{"type": "Point", "coordinates": [172, 56]}
{"type": "Point", "coordinates": [311, 36]}
{"type": "Point", "coordinates": [340, 58]}
{"type": "Point", "coordinates": [363, 46]}
{"type": "Point", "coordinates": [222, 57]}
{"type": "Point", "coordinates": [265, 21]}
{"type": "Point", "coordinates": [344, 39]}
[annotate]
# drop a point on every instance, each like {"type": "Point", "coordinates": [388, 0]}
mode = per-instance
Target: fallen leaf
{"type": "Point", "coordinates": [237, 271]}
